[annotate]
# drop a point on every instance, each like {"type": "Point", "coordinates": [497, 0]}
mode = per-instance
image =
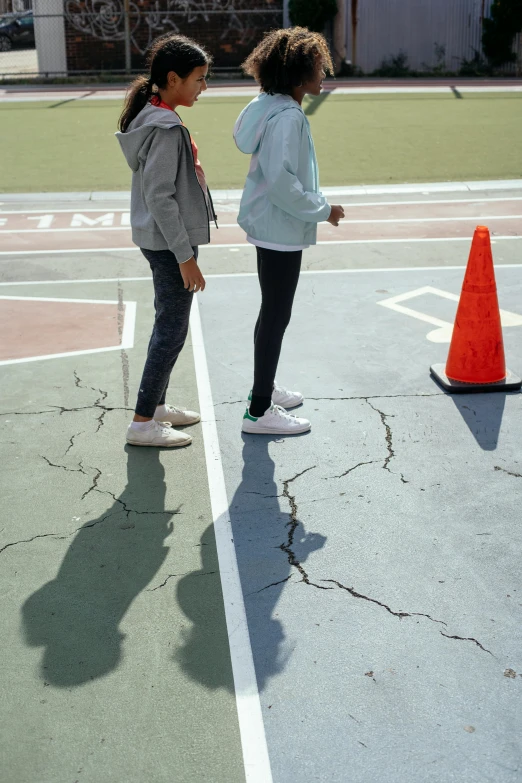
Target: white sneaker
{"type": "Point", "coordinates": [157, 435]}
{"type": "Point", "coordinates": [283, 397]}
{"type": "Point", "coordinates": [275, 421]}
{"type": "Point", "coordinates": [286, 398]}
{"type": "Point", "coordinates": [176, 416]}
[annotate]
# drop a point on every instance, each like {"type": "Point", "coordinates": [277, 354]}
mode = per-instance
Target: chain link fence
{"type": "Point", "coordinates": [111, 37]}
{"type": "Point", "coordinates": [107, 39]}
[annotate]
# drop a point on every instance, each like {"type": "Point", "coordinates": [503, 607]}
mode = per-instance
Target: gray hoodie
{"type": "Point", "coordinates": [169, 209]}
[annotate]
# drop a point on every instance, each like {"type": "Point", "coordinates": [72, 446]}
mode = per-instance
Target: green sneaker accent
{"type": "Point", "coordinates": [250, 396]}
{"type": "Point", "coordinates": [248, 416]}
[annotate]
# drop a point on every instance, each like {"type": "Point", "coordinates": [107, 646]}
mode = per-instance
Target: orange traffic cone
{"type": "Point", "coordinates": [476, 360]}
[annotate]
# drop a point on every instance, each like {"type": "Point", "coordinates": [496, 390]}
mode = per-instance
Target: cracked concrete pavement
{"type": "Point", "coordinates": [378, 555]}
{"type": "Point", "coordinates": [383, 543]}
{"type": "Point", "coordinates": [104, 672]}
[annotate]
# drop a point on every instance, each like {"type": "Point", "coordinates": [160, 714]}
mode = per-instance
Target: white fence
{"type": "Point", "coordinates": [430, 32]}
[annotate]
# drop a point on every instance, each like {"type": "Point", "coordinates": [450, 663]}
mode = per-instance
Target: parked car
{"type": "Point", "coordinates": [16, 30]}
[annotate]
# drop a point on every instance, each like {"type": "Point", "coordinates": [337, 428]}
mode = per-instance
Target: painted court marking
{"type": "Point", "coordinates": [127, 336]}
{"type": "Point", "coordinates": [373, 221]}
{"type": "Point", "coordinates": [373, 270]}
{"type": "Point", "coordinates": [444, 331]}
{"type": "Point", "coordinates": [251, 727]}
{"type": "Point", "coordinates": [245, 244]}
{"type": "Point", "coordinates": [253, 739]}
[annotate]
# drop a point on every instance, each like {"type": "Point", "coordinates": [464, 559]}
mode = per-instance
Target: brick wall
{"type": "Point", "coordinates": [95, 41]}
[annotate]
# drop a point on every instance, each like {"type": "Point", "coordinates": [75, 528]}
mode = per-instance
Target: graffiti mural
{"type": "Point", "coordinates": [103, 20]}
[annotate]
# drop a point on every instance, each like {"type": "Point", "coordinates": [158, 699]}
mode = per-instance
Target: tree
{"type": "Point", "coordinates": [499, 31]}
{"type": "Point", "coordinates": [313, 14]}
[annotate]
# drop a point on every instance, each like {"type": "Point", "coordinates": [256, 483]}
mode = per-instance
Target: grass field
{"type": "Point", "coordinates": [384, 138]}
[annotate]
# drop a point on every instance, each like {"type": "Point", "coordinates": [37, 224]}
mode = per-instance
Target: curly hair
{"type": "Point", "coordinates": [287, 58]}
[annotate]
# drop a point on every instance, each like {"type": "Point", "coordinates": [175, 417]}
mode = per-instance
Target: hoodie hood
{"type": "Point", "coordinates": [251, 123]}
{"type": "Point", "coordinates": [149, 118]}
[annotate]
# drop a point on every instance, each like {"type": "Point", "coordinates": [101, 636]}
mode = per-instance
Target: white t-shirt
{"type": "Point", "coordinates": [273, 246]}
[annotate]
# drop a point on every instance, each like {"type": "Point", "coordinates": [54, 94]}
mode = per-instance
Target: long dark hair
{"type": "Point", "coordinates": [167, 53]}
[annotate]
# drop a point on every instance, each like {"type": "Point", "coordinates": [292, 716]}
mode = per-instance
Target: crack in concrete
{"type": "Point", "coordinates": [272, 584]}
{"type": "Point", "coordinates": [28, 540]}
{"type": "Point", "coordinates": [95, 523]}
{"type": "Point", "coordinates": [400, 615]}
{"type": "Point", "coordinates": [185, 573]}
{"type": "Point", "coordinates": [60, 409]}
{"type": "Point", "coordinates": [251, 492]}
{"type": "Point", "coordinates": [467, 639]}
{"type": "Point", "coordinates": [98, 403]}
{"type": "Point", "coordinates": [128, 510]}
{"type": "Point", "coordinates": [79, 469]}
{"type": "Point", "coordinates": [337, 399]}
{"type": "Point", "coordinates": [377, 397]}
{"type": "Point", "coordinates": [57, 535]}
{"type": "Point", "coordinates": [64, 467]}
{"type": "Point", "coordinates": [71, 442]}
{"type": "Point", "coordinates": [293, 524]}
{"type": "Point", "coordinates": [388, 436]}
{"type": "Point", "coordinates": [359, 464]}
{"type": "Point", "coordinates": [94, 484]}
{"type": "Point", "coordinates": [509, 472]}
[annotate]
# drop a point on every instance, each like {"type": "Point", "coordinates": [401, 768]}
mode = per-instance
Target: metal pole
{"type": "Point", "coordinates": [286, 14]}
{"type": "Point", "coordinates": [127, 35]}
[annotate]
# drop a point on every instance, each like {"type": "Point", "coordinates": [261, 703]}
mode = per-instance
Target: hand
{"type": "Point", "coordinates": [192, 277]}
{"type": "Point", "coordinates": [335, 215]}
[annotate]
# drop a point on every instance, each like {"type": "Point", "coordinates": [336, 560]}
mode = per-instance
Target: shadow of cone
{"type": "Point", "coordinates": [476, 360]}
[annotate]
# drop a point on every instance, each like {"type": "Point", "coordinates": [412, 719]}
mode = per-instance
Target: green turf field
{"type": "Point", "coordinates": [360, 139]}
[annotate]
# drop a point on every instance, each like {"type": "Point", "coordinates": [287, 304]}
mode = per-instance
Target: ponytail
{"type": "Point", "coordinates": [139, 94]}
{"type": "Point", "coordinates": [170, 52]}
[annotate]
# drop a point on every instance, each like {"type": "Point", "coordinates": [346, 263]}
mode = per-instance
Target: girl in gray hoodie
{"type": "Point", "coordinates": [170, 212]}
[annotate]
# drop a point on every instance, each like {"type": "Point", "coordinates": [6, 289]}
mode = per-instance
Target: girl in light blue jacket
{"type": "Point", "coordinates": [281, 204]}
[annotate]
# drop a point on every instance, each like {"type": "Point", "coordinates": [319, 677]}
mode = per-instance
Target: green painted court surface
{"type": "Point", "coordinates": [390, 138]}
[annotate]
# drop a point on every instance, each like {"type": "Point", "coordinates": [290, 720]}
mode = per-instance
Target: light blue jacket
{"type": "Point", "coordinates": [281, 201]}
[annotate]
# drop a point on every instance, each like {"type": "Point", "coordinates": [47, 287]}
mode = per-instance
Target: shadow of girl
{"type": "Point", "coordinates": [76, 616]}
{"type": "Point", "coordinates": [261, 525]}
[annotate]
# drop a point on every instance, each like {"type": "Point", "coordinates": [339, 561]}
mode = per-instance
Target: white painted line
{"type": "Point", "coordinates": [129, 324]}
{"type": "Point", "coordinates": [250, 92]}
{"type": "Point", "coordinates": [68, 211]}
{"type": "Point", "coordinates": [53, 299]}
{"type": "Point", "coordinates": [125, 210]}
{"type": "Point", "coordinates": [362, 221]}
{"type": "Point", "coordinates": [425, 202]}
{"type": "Point", "coordinates": [251, 727]}
{"type": "Point", "coordinates": [120, 228]}
{"type": "Point", "coordinates": [445, 329]}
{"type": "Point", "coordinates": [127, 338]}
{"type": "Point", "coordinates": [69, 250]}
{"type": "Point", "coordinates": [446, 219]}
{"type": "Point", "coordinates": [87, 280]}
{"type": "Point", "coordinates": [62, 230]}
{"type": "Point", "coordinates": [378, 270]}
{"type": "Point", "coordinates": [92, 250]}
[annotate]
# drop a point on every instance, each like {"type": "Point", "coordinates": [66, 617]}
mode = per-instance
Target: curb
{"type": "Point", "coordinates": [423, 188]}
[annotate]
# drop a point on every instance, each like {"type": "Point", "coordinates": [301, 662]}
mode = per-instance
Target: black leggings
{"type": "Point", "coordinates": [278, 273]}
{"type": "Point", "coordinates": [172, 303]}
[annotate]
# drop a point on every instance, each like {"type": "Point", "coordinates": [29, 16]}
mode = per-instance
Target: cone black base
{"type": "Point", "coordinates": [510, 383]}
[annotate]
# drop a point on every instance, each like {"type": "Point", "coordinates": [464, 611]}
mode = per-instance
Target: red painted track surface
{"type": "Point", "coordinates": [97, 230]}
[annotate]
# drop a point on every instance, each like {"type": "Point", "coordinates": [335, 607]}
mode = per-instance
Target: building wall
{"type": "Point", "coordinates": [416, 27]}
